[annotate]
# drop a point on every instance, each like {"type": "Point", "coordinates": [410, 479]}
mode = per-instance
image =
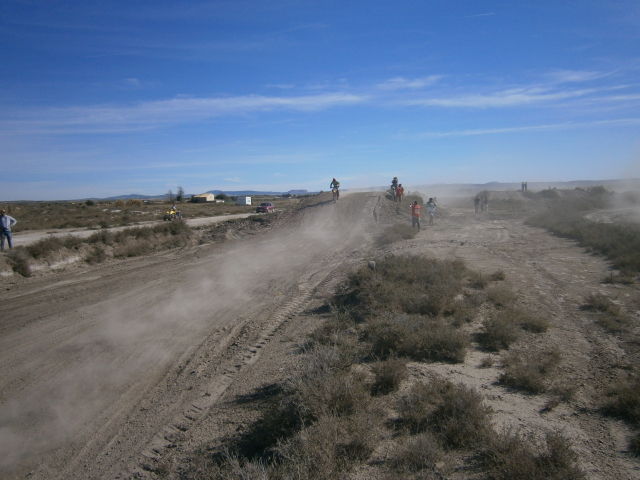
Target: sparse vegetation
{"type": "Point", "coordinates": [529, 370]}
{"type": "Point", "coordinates": [455, 414]}
{"type": "Point", "coordinates": [510, 456]}
{"type": "Point", "coordinates": [395, 233]}
{"type": "Point", "coordinates": [499, 331]}
{"type": "Point", "coordinates": [18, 260]}
{"type": "Point", "coordinates": [618, 241]}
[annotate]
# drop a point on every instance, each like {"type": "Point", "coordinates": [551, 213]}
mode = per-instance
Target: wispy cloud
{"type": "Point", "coordinates": [567, 76]}
{"type": "Point", "coordinates": [506, 98]}
{"type": "Point", "coordinates": [234, 180]}
{"type": "Point", "coordinates": [146, 115]}
{"type": "Point", "coordinates": [399, 83]}
{"type": "Point", "coordinates": [480, 15]}
{"type": "Point", "coordinates": [530, 128]}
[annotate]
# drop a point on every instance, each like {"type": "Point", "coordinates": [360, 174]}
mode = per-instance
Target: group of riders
{"type": "Point", "coordinates": [397, 192]}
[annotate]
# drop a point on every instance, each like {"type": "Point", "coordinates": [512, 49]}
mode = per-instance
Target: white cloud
{"type": "Point", "coordinates": [234, 179]}
{"type": "Point", "coordinates": [567, 76]}
{"type": "Point", "coordinates": [399, 83]}
{"type": "Point", "coordinates": [146, 115]}
{"type": "Point", "coordinates": [506, 98]}
{"type": "Point", "coordinates": [530, 128]}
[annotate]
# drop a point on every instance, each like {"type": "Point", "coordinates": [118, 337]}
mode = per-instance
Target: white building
{"type": "Point", "coordinates": [244, 200]}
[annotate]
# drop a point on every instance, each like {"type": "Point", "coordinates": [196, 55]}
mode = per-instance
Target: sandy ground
{"type": "Point", "coordinates": [31, 236]}
{"type": "Point", "coordinates": [110, 371]}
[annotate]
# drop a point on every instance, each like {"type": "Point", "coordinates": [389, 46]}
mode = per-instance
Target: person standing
{"type": "Point", "coordinates": [415, 215]}
{"type": "Point", "coordinates": [6, 222]}
{"type": "Point", "coordinates": [431, 208]}
{"type": "Point", "coordinates": [476, 202]}
{"type": "Point", "coordinates": [400, 192]}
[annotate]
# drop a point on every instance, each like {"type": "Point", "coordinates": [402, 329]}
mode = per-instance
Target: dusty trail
{"type": "Point", "coordinates": [96, 369]}
{"type": "Point", "coordinates": [110, 373]}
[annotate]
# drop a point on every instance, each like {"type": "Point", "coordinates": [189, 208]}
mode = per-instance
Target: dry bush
{"type": "Point", "coordinates": [621, 279]}
{"type": "Point", "coordinates": [601, 303]}
{"type": "Point", "coordinates": [615, 323]}
{"type": "Point", "coordinates": [477, 279]}
{"type": "Point", "coordinates": [325, 388]}
{"type": "Point", "coordinates": [497, 276]}
{"type": "Point", "coordinates": [328, 448]}
{"type": "Point", "coordinates": [624, 399]}
{"type": "Point", "coordinates": [418, 452]}
{"type": "Point", "coordinates": [456, 414]}
{"type": "Point", "coordinates": [511, 456]}
{"type": "Point", "coordinates": [409, 284]}
{"type": "Point", "coordinates": [501, 296]}
{"type": "Point", "coordinates": [532, 323]}
{"type": "Point", "coordinates": [529, 370]}
{"type": "Point", "coordinates": [499, 331]}
{"type": "Point", "coordinates": [395, 233]}
{"type": "Point", "coordinates": [19, 262]}
{"type": "Point", "coordinates": [389, 375]}
{"type": "Point", "coordinates": [44, 247]}
{"type": "Point", "coordinates": [134, 202]}
{"type": "Point", "coordinates": [634, 444]}
{"type": "Point", "coordinates": [119, 203]}
{"type": "Point", "coordinates": [416, 337]}
{"type": "Point", "coordinates": [486, 362]}
{"type": "Point", "coordinates": [96, 255]}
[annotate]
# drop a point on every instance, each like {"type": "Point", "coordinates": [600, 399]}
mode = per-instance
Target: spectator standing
{"type": "Point", "coordinates": [400, 193]}
{"type": "Point", "coordinates": [486, 203]}
{"type": "Point", "coordinates": [6, 222]}
{"type": "Point", "coordinates": [431, 208]}
{"type": "Point", "coordinates": [476, 202]}
{"type": "Point", "coordinates": [415, 214]}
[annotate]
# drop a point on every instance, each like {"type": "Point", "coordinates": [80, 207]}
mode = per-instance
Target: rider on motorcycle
{"type": "Point", "coordinates": [335, 184]}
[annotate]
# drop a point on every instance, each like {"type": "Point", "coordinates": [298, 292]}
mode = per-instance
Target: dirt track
{"type": "Point", "coordinates": [106, 372]}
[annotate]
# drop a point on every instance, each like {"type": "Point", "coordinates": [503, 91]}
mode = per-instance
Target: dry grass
{"type": "Point", "coordinates": [610, 315]}
{"type": "Point", "coordinates": [389, 375]}
{"type": "Point", "coordinates": [499, 331]}
{"type": "Point", "coordinates": [19, 261]}
{"type": "Point", "coordinates": [416, 337]}
{"type": "Point", "coordinates": [529, 370]}
{"type": "Point", "coordinates": [501, 296]}
{"type": "Point", "coordinates": [396, 233]}
{"type": "Point", "coordinates": [511, 456]}
{"type": "Point", "coordinates": [418, 452]}
{"type": "Point", "coordinates": [497, 276]}
{"type": "Point", "coordinates": [624, 399]}
{"type": "Point", "coordinates": [455, 414]}
{"type": "Point", "coordinates": [414, 285]}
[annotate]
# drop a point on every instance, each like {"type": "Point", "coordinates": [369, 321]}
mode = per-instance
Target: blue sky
{"type": "Point", "coordinates": [112, 97]}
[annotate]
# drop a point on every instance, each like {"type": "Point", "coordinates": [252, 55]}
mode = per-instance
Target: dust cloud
{"type": "Point", "coordinates": [140, 334]}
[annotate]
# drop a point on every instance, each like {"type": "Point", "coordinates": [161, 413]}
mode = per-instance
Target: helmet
{"type": "Point", "coordinates": [334, 179]}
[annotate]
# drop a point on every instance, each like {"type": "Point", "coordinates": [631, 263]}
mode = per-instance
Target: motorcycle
{"type": "Point", "coordinates": [336, 194]}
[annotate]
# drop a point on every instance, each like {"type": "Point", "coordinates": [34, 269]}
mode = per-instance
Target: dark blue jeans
{"type": "Point", "coordinates": [3, 234]}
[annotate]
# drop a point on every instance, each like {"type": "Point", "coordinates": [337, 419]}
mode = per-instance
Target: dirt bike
{"type": "Point", "coordinates": [171, 215]}
{"type": "Point", "coordinates": [336, 194]}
